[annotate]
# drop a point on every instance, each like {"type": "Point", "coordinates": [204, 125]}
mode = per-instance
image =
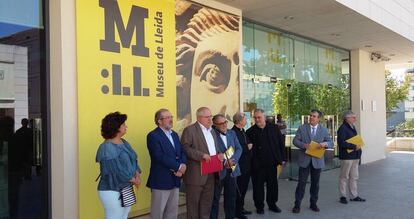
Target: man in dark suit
{"type": "Point", "coordinates": [168, 164]}
{"type": "Point", "coordinates": [199, 142]}
{"type": "Point", "coordinates": [268, 152]}
{"type": "Point", "coordinates": [239, 120]}
{"type": "Point", "coordinates": [350, 155]}
{"type": "Point", "coordinates": [312, 131]}
{"type": "Point", "coordinates": [227, 177]}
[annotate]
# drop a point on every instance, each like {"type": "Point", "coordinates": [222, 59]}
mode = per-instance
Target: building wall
{"type": "Point", "coordinates": [409, 103]}
{"type": "Point", "coordinates": [396, 15]}
{"type": "Point", "coordinates": [368, 101]}
{"type": "Point", "coordinates": [63, 110]}
{"type": "Point", "coordinates": [13, 59]}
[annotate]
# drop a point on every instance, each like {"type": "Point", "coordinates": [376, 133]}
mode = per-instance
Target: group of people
{"type": "Point", "coordinates": [255, 154]}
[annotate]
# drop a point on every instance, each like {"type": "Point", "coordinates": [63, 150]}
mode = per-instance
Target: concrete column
{"type": "Point", "coordinates": [368, 102]}
{"type": "Point", "coordinates": [63, 110]}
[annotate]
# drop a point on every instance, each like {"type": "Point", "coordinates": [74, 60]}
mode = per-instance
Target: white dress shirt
{"type": "Point", "coordinates": [224, 138]}
{"type": "Point", "coordinates": [209, 139]}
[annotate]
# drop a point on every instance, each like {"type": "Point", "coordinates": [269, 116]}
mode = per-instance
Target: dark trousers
{"type": "Point", "coordinates": [199, 199]}
{"type": "Point", "coordinates": [303, 177]}
{"type": "Point", "coordinates": [259, 177]}
{"type": "Point", "coordinates": [229, 185]}
{"type": "Point", "coordinates": [243, 184]}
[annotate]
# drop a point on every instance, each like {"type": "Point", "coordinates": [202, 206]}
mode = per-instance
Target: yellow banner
{"type": "Point", "coordinates": [126, 63]}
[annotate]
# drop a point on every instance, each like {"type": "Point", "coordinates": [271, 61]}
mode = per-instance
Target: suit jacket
{"type": "Point", "coordinates": [245, 160]}
{"type": "Point", "coordinates": [165, 160]}
{"type": "Point", "coordinates": [195, 145]}
{"type": "Point", "coordinates": [345, 132]}
{"type": "Point", "coordinates": [303, 136]}
{"type": "Point", "coordinates": [234, 142]}
{"type": "Point", "coordinates": [277, 147]}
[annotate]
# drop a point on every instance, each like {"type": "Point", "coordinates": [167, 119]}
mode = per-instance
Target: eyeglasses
{"type": "Point", "coordinates": [222, 123]}
{"type": "Point", "coordinates": [167, 117]}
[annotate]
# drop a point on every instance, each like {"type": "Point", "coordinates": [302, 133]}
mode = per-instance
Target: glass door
{"type": "Point", "coordinates": [23, 169]}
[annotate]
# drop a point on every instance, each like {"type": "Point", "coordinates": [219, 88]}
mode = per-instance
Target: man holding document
{"type": "Point", "coordinates": [200, 143]}
{"type": "Point", "coordinates": [228, 145]}
{"type": "Point", "coordinates": [312, 139]}
{"type": "Point", "coordinates": [349, 143]}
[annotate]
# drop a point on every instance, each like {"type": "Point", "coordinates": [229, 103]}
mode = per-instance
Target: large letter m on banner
{"type": "Point", "coordinates": [135, 23]}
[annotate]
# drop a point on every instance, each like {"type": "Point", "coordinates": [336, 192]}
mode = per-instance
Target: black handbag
{"type": "Point", "coordinates": [127, 196]}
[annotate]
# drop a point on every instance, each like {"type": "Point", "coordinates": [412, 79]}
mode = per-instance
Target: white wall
{"type": "Point", "coordinates": [396, 15]}
{"type": "Point", "coordinates": [63, 110]}
{"type": "Point", "coordinates": [368, 102]}
{"type": "Point", "coordinates": [14, 59]}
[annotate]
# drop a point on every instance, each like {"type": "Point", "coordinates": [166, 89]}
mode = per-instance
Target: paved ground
{"type": "Point", "coordinates": [388, 186]}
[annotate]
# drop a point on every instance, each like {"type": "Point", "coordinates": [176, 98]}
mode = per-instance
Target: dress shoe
{"type": "Point", "coordinates": [241, 216]}
{"type": "Point", "coordinates": [314, 208]}
{"type": "Point", "coordinates": [275, 209]}
{"type": "Point", "coordinates": [246, 212]}
{"type": "Point", "coordinates": [259, 211]}
{"type": "Point", "coordinates": [296, 209]}
{"type": "Point", "coordinates": [357, 199]}
{"type": "Point", "coordinates": [343, 200]}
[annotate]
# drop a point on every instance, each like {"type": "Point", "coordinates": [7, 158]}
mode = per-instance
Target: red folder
{"type": "Point", "coordinates": [215, 165]}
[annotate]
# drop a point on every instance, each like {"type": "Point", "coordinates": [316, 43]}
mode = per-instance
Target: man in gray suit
{"type": "Point", "coordinates": [199, 142]}
{"type": "Point", "coordinates": [312, 131]}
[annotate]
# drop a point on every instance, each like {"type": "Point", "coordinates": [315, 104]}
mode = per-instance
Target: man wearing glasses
{"type": "Point", "coordinates": [312, 131]}
{"type": "Point", "coordinates": [228, 145]}
{"type": "Point", "coordinates": [199, 142]}
{"type": "Point", "coordinates": [268, 152]}
{"type": "Point", "coordinates": [168, 164]}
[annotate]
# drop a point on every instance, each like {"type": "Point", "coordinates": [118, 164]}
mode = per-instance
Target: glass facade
{"type": "Point", "coordinates": [23, 169]}
{"type": "Point", "coordinates": [289, 75]}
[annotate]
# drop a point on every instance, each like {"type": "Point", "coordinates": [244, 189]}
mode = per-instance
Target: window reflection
{"type": "Point", "coordinates": [22, 89]}
{"type": "Point", "coordinates": [309, 75]}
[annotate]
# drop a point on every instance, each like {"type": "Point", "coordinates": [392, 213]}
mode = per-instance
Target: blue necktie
{"type": "Point", "coordinates": [313, 132]}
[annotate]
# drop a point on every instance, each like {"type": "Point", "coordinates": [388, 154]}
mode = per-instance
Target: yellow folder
{"type": "Point", "coordinates": [229, 153]}
{"type": "Point", "coordinates": [279, 170]}
{"type": "Point", "coordinates": [356, 140]}
{"type": "Point", "coordinates": [314, 151]}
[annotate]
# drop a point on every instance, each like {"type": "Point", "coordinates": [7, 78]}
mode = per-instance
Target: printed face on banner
{"type": "Point", "coordinates": [208, 54]}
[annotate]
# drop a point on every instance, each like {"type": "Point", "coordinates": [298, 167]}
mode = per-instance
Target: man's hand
{"type": "Point", "coordinates": [182, 168]}
{"type": "Point", "coordinates": [221, 156]}
{"type": "Point", "coordinates": [206, 157]}
{"type": "Point", "coordinates": [178, 174]}
{"type": "Point", "coordinates": [249, 146]}
{"type": "Point", "coordinates": [307, 146]}
{"type": "Point", "coordinates": [320, 146]}
{"type": "Point", "coordinates": [229, 163]}
{"type": "Point", "coordinates": [323, 145]}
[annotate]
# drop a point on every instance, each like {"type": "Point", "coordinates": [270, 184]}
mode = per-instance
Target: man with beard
{"type": "Point", "coordinates": [168, 164]}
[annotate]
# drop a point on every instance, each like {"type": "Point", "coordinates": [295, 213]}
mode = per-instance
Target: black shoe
{"type": "Point", "coordinates": [275, 209]}
{"type": "Point", "coordinates": [259, 211]}
{"type": "Point", "coordinates": [314, 208]}
{"type": "Point", "coordinates": [246, 212]}
{"type": "Point", "coordinates": [343, 200]}
{"type": "Point", "coordinates": [357, 199]}
{"type": "Point", "coordinates": [296, 209]}
{"type": "Point", "coordinates": [241, 216]}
